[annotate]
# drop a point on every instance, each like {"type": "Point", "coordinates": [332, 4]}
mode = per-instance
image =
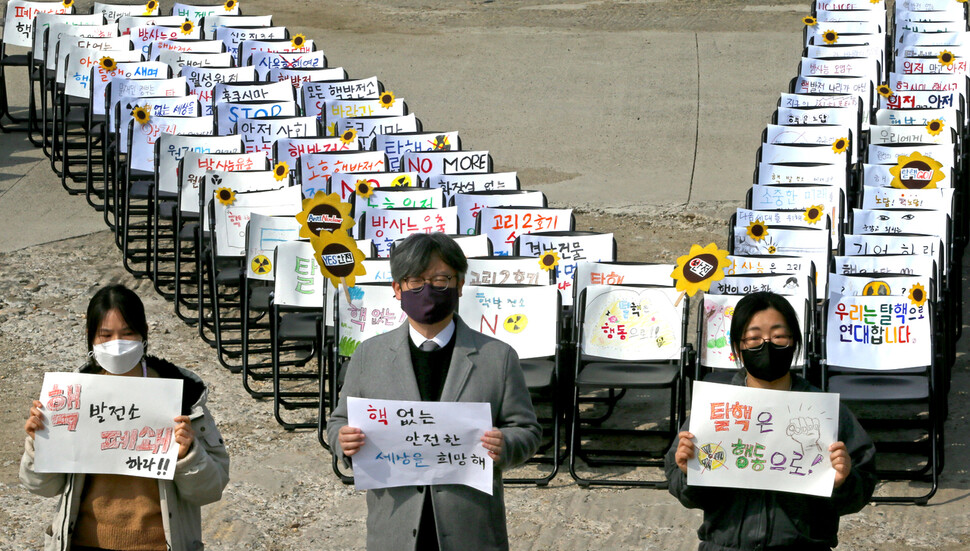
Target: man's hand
{"type": "Point", "coordinates": [493, 440]}
{"type": "Point", "coordinates": [351, 439]}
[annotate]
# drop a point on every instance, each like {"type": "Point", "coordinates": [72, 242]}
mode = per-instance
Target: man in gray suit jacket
{"type": "Point", "coordinates": [437, 357]}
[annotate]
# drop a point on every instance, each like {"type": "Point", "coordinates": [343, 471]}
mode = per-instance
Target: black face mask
{"type": "Point", "coordinates": [429, 305]}
{"type": "Point", "coordinates": [770, 362]}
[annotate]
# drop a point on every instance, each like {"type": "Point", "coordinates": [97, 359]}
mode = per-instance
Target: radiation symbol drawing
{"type": "Point", "coordinates": [261, 265]}
{"type": "Point", "coordinates": [711, 456]}
{"type": "Point", "coordinates": [516, 323]}
{"type": "Point", "coordinates": [876, 288]}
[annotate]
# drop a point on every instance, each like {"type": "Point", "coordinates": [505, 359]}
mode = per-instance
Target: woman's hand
{"type": "Point", "coordinates": [184, 435]}
{"type": "Point", "coordinates": [351, 439]}
{"type": "Point", "coordinates": [841, 462]}
{"type": "Point", "coordinates": [35, 421]}
{"type": "Point", "coordinates": [685, 450]}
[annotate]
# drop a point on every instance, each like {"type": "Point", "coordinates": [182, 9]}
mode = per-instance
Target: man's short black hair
{"type": "Point", "coordinates": [411, 257]}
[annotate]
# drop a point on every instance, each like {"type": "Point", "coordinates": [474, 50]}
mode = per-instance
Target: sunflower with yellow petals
{"type": "Point", "coordinates": [226, 196]}
{"type": "Point", "coordinates": [187, 27]}
{"type": "Point", "coordinates": [699, 268]}
{"type": "Point", "coordinates": [230, 5]}
{"type": "Point", "coordinates": [387, 99]}
{"type": "Point", "coordinates": [830, 37]}
{"type": "Point", "coordinates": [67, 3]}
{"type": "Point", "coordinates": [814, 213]}
{"type": "Point", "coordinates": [757, 230]}
{"type": "Point", "coordinates": [874, 1]}
{"type": "Point", "coordinates": [885, 91]}
{"type": "Point", "coordinates": [108, 64]}
{"type": "Point", "coordinates": [141, 114]}
{"type": "Point", "coordinates": [280, 171]}
{"type": "Point", "coordinates": [324, 214]}
{"type": "Point", "coordinates": [915, 171]}
{"type": "Point", "coordinates": [549, 260]}
{"type": "Point", "coordinates": [917, 294]}
{"type": "Point", "coordinates": [809, 20]}
{"type": "Point", "coordinates": [946, 58]}
{"type": "Point", "coordinates": [934, 127]}
{"type": "Point", "coordinates": [363, 189]}
{"type": "Point", "coordinates": [150, 7]}
{"type": "Point", "coordinates": [840, 145]}
{"type": "Point", "coordinates": [298, 41]}
{"type": "Point", "coordinates": [348, 136]}
{"type": "Point", "coordinates": [339, 258]}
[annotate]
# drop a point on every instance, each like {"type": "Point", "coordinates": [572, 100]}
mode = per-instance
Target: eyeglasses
{"type": "Point", "coordinates": [438, 283]}
{"type": "Point", "coordinates": [757, 343]}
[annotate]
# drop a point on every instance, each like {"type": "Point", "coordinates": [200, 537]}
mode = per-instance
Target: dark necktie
{"type": "Point", "coordinates": [429, 346]}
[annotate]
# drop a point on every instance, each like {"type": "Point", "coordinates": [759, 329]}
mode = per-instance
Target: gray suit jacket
{"type": "Point", "coordinates": [482, 369]}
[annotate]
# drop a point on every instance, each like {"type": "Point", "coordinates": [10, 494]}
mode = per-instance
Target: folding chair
{"type": "Point", "coordinates": [314, 169]}
{"type": "Point", "coordinates": [288, 150]}
{"type": "Point", "coordinates": [264, 61]}
{"type": "Point", "coordinates": [202, 80]}
{"type": "Point", "coordinates": [367, 128]}
{"type": "Point", "coordinates": [403, 197]}
{"type": "Point", "coordinates": [249, 47]}
{"type": "Point", "coordinates": [526, 318]}
{"type": "Point", "coordinates": [112, 12]}
{"type": "Point", "coordinates": [470, 204]}
{"type": "Point", "coordinates": [880, 352]}
{"type": "Point", "coordinates": [259, 133]}
{"type": "Point", "coordinates": [384, 226]}
{"type": "Point", "coordinates": [630, 338]}
{"type": "Point", "coordinates": [314, 95]}
{"type": "Point", "coordinates": [464, 182]}
{"type": "Point", "coordinates": [233, 34]}
{"type": "Point", "coordinates": [212, 22]}
{"type": "Point", "coordinates": [229, 113]}
{"type": "Point", "coordinates": [503, 225]}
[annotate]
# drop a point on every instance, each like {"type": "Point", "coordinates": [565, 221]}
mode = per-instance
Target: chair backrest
{"type": "Point", "coordinates": [446, 162]}
{"type": "Point", "coordinates": [260, 133]}
{"type": "Point", "coordinates": [43, 21]}
{"type": "Point", "coordinates": [802, 153]}
{"type": "Point", "coordinates": [299, 76]}
{"type": "Point", "coordinates": [860, 87]}
{"type": "Point", "coordinates": [378, 271]}
{"type": "Point", "coordinates": [925, 222]}
{"type": "Point", "coordinates": [185, 45]}
{"type": "Point", "coordinates": [526, 317]}
{"type": "Point", "coordinates": [889, 154]}
{"type": "Point", "coordinates": [235, 182]}
{"type": "Point", "coordinates": [857, 66]}
{"type": "Point", "coordinates": [923, 99]}
{"type": "Point", "coordinates": [128, 64]}
{"type": "Point", "coordinates": [288, 150]}
{"type": "Point", "coordinates": [812, 244]}
{"type": "Point", "coordinates": [196, 12]}
{"type": "Point", "coordinates": [803, 198]}
{"type": "Point", "coordinates": [825, 134]}
{"type": "Point", "coordinates": [877, 285]}
{"type": "Point", "coordinates": [770, 264]}
{"type": "Point", "coordinates": [176, 59]}
{"type": "Point", "coordinates": [139, 85]}
{"type": "Point", "coordinates": [398, 143]}
{"type": "Point", "coordinates": [883, 243]}
{"type": "Point", "coordinates": [77, 55]}
{"type": "Point", "coordinates": [263, 233]}
{"type": "Point", "coordinates": [621, 273]}
{"type": "Point", "coordinates": [384, 226]}
{"type": "Point", "coordinates": [213, 21]}
{"type": "Point", "coordinates": [233, 35]}
{"type": "Point", "coordinates": [315, 168]}
{"type": "Point", "coordinates": [910, 133]}
{"type": "Point", "coordinates": [714, 330]}
{"type": "Point", "coordinates": [471, 203]}
{"type": "Point", "coordinates": [632, 323]}
{"type": "Point", "coordinates": [473, 245]}
{"type": "Point", "coordinates": [800, 173]}
{"type": "Point", "coordinates": [251, 91]}
{"type": "Point", "coordinates": [878, 333]}
{"type": "Point", "coordinates": [398, 198]}
{"type": "Point", "coordinates": [314, 95]}
{"type": "Point", "coordinates": [141, 155]}
{"type": "Point", "coordinates": [262, 62]}
{"type": "Point", "coordinates": [299, 281]}
{"type": "Point", "coordinates": [228, 113]}
{"type": "Point", "coordinates": [881, 197]}
{"type": "Point", "coordinates": [346, 183]}
{"type": "Point", "coordinates": [18, 18]}
{"type": "Point", "coordinates": [172, 148]}
{"type": "Point", "coordinates": [372, 311]}
{"type": "Point", "coordinates": [229, 222]}
{"type": "Point", "coordinates": [63, 33]}
{"type": "Point", "coordinates": [202, 80]}
{"type": "Point", "coordinates": [367, 128]}
{"type": "Point", "coordinates": [144, 36]}
{"type": "Point", "coordinates": [195, 165]}
{"type": "Point", "coordinates": [464, 182]}
{"type": "Point", "coordinates": [113, 12]}
{"type": "Point", "coordinates": [128, 22]}
{"type": "Point", "coordinates": [799, 218]}
{"type": "Point", "coordinates": [572, 248]}
{"type": "Point", "coordinates": [920, 117]}
{"type": "Point", "coordinates": [503, 225]}
{"type": "Point", "coordinates": [248, 47]}
{"type": "Point", "coordinates": [507, 270]}
{"type": "Point", "coordinates": [164, 106]}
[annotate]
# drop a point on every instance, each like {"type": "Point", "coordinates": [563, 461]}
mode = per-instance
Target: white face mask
{"type": "Point", "coordinates": [118, 356]}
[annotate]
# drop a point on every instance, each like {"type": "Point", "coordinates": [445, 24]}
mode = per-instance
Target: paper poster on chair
{"type": "Point", "coordinates": [879, 332]}
{"type": "Point", "coordinates": [632, 323]}
{"type": "Point", "coordinates": [523, 317]}
{"type": "Point", "coordinates": [762, 439]}
{"type": "Point", "coordinates": [718, 313]}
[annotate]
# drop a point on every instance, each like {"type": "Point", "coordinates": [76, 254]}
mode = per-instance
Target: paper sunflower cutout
{"type": "Point", "coordinates": [226, 196]}
{"type": "Point", "coordinates": [108, 64]}
{"type": "Point", "coordinates": [324, 214]}
{"type": "Point", "coordinates": [814, 213]}
{"type": "Point", "coordinates": [830, 37]}
{"type": "Point", "coordinates": [946, 58]}
{"type": "Point", "coordinates": [230, 5]}
{"type": "Point", "coordinates": [348, 136]}
{"type": "Point", "coordinates": [917, 295]}
{"type": "Point", "coordinates": [809, 20]}
{"type": "Point", "coordinates": [339, 258]}
{"type": "Point", "coordinates": [840, 145]}
{"type": "Point", "coordinates": [757, 230]}
{"type": "Point", "coordinates": [874, 1]}
{"type": "Point", "coordinates": [280, 171]}
{"type": "Point", "coordinates": [141, 114]}
{"type": "Point", "coordinates": [699, 268]}
{"type": "Point", "coordinates": [298, 41]}
{"type": "Point", "coordinates": [332, 129]}
{"type": "Point", "coordinates": [934, 127]}
{"type": "Point", "coordinates": [67, 3]}
{"type": "Point", "coordinates": [187, 27]}
{"type": "Point", "coordinates": [363, 189]}
{"type": "Point", "coordinates": [885, 91]}
{"type": "Point", "coordinates": [916, 171]}
{"type": "Point", "coordinates": [549, 260]}
{"type": "Point", "coordinates": [386, 99]}
{"type": "Point", "coordinates": [150, 7]}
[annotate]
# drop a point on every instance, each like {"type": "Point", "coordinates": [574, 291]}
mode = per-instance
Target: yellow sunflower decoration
{"type": "Point", "coordinates": [324, 214]}
{"type": "Point", "coordinates": [339, 258]}
{"type": "Point", "coordinates": [840, 145]}
{"type": "Point", "coordinates": [917, 294]}
{"type": "Point", "coordinates": [387, 99]}
{"type": "Point", "coordinates": [150, 7]}
{"type": "Point", "coordinates": [757, 230]}
{"type": "Point", "coordinates": [348, 136]}
{"type": "Point", "coordinates": [549, 260]}
{"type": "Point", "coordinates": [187, 27]}
{"type": "Point", "coordinates": [946, 58]}
{"type": "Point", "coordinates": [363, 189]}
{"type": "Point", "coordinates": [108, 64]}
{"type": "Point", "coordinates": [280, 171]}
{"type": "Point", "coordinates": [885, 91]}
{"type": "Point", "coordinates": [226, 196]}
{"type": "Point", "coordinates": [332, 129]}
{"type": "Point", "coordinates": [230, 5]}
{"type": "Point", "coordinates": [916, 171]}
{"type": "Point", "coordinates": [809, 20]}
{"type": "Point", "coordinates": [934, 127]}
{"type": "Point", "coordinates": [814, 213]}
{"type": "Point", "coordinates": [874, 1]}
{"type": "Point", "coordinates": [830, 37]}
{"type": "Point", "coordinates": [699, 268]}
{"type": "Point", "coordinates": [141, 114]}
{"type": "Point", "coordinates": [298, 41]}
{"type": "Point", "coordinates": [67, 3]}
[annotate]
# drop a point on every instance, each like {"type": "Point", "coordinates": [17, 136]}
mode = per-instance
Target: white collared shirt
{"type": "Point", "coordinates": [441, 339]}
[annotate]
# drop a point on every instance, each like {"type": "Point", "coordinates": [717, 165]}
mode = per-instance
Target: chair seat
{"type": "Point", "coordinates": [229, 276]}
{"type": "Point", "coordinates": [259, 298]}
{"type": "Point", "coordinates": [627, 375]}
{"type": "Point", "coordinates": [140, 189]}
{"type": "Point", "coordinates": [880, 388]}
{"type": "Point", "coordinates": [166, 210]}
{"type": "Point", "coordinates": [187, 233]}
{"type": "Point", "coordinates": [18, 60]}
{"type": "Point", "coordinates": [723, 376]}
{"type": "Point", "coordinates": [539, 374]}
{"type": "Point", "coordinates": [299, 325]}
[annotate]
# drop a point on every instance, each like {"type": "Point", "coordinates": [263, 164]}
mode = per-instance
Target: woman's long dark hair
{"type": "Point", "coordinates": [127, 303]}
{"type": "Point", "coordinates": [757, 302]}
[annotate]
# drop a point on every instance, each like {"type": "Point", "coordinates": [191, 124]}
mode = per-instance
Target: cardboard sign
{"type": "Point", "coordinates": [879, 332]}
{"type": "Point", "coordinates": [522, 317]}
{"type": "Point", "coordinates": [632, 323]}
